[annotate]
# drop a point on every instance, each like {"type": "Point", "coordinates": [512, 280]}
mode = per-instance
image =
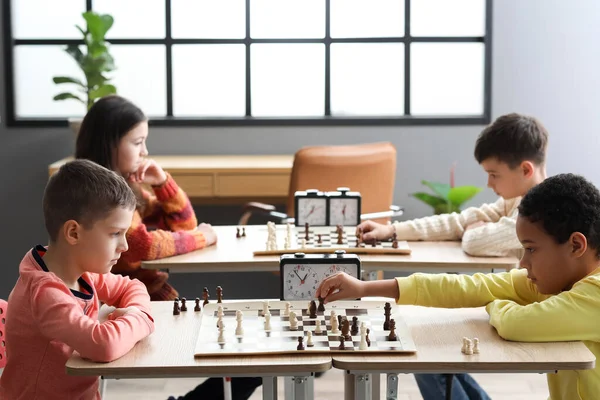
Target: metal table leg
{"type": "Point", "coordinates": [391, 392]}
{"type": "Point", "coordinates": [362, 387]}
{"type": "Point", "coordinates": [301, 388]}
{"type": "Point", "coordinates": [449, 379]}
{"type": "Point", "coordinates": [375, 386]}
{"type": "Point", "coordinates": [269, 387]}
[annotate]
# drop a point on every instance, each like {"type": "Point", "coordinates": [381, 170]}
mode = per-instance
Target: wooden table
{"type": "Point", "coordinates": [438, 334]}
{"type": "Point", "coordinates": [226, 179]}
{"type": "Point", "coordinates": [233, 255]}
{"type": "Point", "coordinates": [169, 352]}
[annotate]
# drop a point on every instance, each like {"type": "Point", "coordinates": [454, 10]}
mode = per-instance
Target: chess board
{"type": "Point", "coordinates": [281, 340]}
{"type": "Point", "coordinates": [328, 243]}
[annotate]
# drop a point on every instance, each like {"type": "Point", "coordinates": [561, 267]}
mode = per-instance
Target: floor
{"type": "Point", "coordinates": [330, 385]}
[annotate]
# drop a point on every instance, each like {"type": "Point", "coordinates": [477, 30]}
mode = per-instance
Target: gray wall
{"type": "Point", "coordinates": [545, 57]}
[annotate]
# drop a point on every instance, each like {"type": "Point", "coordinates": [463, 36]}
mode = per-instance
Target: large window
{"type": "Point", "coordinates": [262, 62]}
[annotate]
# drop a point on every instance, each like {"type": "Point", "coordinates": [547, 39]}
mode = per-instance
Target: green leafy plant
{"type": "Point", "coordinates": [447, 198]}
{"type": "Point", "coordinates": [95, 63]}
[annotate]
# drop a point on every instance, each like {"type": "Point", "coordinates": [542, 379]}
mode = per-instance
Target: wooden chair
{"type": "Point", "coordinates": [366, 168]}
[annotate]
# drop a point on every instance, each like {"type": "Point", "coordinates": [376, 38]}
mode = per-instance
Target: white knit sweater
{"type": "Point", "coordinates": [498, 237]}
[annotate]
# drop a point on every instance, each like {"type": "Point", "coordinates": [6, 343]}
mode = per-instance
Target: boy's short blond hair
{"type": "Point", "coordinates": [85, 192]}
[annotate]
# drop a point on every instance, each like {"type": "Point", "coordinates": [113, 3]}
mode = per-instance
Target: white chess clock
{"type": "Point", "coordinates": [301, 274]}
{"type": "Point", "coordinates": [344, 207]}
{"type": "Point", "coordinates": [311, 207]}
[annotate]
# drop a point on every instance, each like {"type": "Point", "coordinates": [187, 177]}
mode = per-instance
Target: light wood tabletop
{"type": "Point", "coordinates": [438, 334]}
{"type": "Point", "coordinates": [232, 254]}
{"type": "Point", "coordinates": [169, 352]}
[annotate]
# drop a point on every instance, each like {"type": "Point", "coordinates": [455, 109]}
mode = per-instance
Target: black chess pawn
{"type": "Point", "coordinates": [312, 309]}
{"type": "Point", "coordinates": [319, 239]}
{"type": "Point", "coordinates": [237, 234]}
{"type": "Point", "coordinates": [197, 306]}
{"type": "Point", "coordinates": [183, 306]}
{"type": "Point", "coordinates": [243, 231]}
{"type": "Point", "coordinates": [306, 232]}
{"type": "Point", "coordinates": [394, 241]}
{"type": "Point", "coordinates": [219, 294]}
{"type": "Point", "coordinates": [392, 336]}
{"type": "Point", "coordinates": [354, 328]}
{"type": "Point", "coordinates": [205, 296]}
{"type": "Point", "coordinates": [321, 307]}
{"type": "Point", "coordinates": [367, 338]}
{"type": "Point", "coordinates": [300, 343]}
{"type": "Point", "coordinates": [342, 345]}
{"type": "Point", "coordinates": [176, 307]}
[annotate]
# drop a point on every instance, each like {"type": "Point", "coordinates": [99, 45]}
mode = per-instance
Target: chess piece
{"type": "Point", "coordinates": [239, 330]}
{"type": "Point", "coordinates": [197, 306]}
{"type": "Point", "coordinates": [354, 328]}
{"type": "Point", "coordinates": [469, 349]}
{"type": "Point", "coordinates": [309, 340]}
{"type": "Point", "coordinates": [219, 294]}
{"type": "Point", "coordinates": [265, 310]}
{"type": "Point", "coordinates": [286, 311]}
{"type": "Point", "coordinates": [342, 345]}
{"type": "Point", "coordinates": [306, 237]}
{"type": "Point", "coordinates": [312, 309]}
{"type": "Point", "coordinates": [176, 307]}
{"type": "Point", "coordinates": [475, 346]}
{"type": "Point", "coordinates": [318, 329]}
{"type": "Point", "coordinates": [303, 244]}
{"type": "Point", "coordinates": [367, 339]}
{"type": "Point", "coordinates": [374, 243]}
{"type": "Point", "coordinates": [333, 321]}
{"type": "Point", "coordinates": [293, 321]}
{"type": "Point", "coordinates": [221, 338]}
{"type": "Point", "coordinates": [387, 311]}
{"type": "Point", "coordinates": [237, 233]}
{"type": "Point", "coordinates": [321, 307]}
{"type": "Point", "coordinates": [358, 232]}
{"type": "Point", "coordinates": [183, 306]}
{"type": "Point", "coordinates": [220, 322]}
{"type": "Point", "coordinates": [319, 239]}
{"type": "Point", "coordinates": [363, 337]}
{"type": "Point", "coordinates": [395, 241]}
{"type": "Point", "coordinates": [267, 322]}
{"type": "Point", "coordinates": [392, 336]}
{"type": "Point", "coordinates": [300, 344]}
{"type": "Point", "coordinates": [243, 231]}
{"type": "Point", "coordinates": [463, 349]}
{"type": "Point", "coordinates": [205, 296]}
{"type": "Point", "coordinates": [220, 312]}
{"type": "Point", "coordinates": [339, 318]}
{"type": "Point", "coordinates": [346, 329]}
{"type": "Point", "coordinates": [340, 235]}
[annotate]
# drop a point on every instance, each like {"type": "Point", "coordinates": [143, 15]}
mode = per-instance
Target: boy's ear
{"type": "Point", "coordinates": [71, 231]}
{"type": "Point", "coordinates": [528, 169]}
{"type": "Point", "coordinates": [578, 243]}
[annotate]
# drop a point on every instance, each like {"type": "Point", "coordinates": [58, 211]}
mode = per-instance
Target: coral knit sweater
{"type": "Point", "coordinates": [163, 225]}
{"type": "Point", "coordinates": [48, 322]}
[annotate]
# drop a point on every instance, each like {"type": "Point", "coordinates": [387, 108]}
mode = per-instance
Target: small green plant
{"type": "Point", "coordinates": [95, 63]}
{"type": "Point", "coordinates": [447, 198]}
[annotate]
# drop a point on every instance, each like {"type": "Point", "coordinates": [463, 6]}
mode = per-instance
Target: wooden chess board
{"type": "Point", "coordinates": [328, 242]}
{"type": "Point", "coordinates": [282, 340]}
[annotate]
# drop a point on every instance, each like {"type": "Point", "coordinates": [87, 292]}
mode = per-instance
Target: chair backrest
{"type": "Point", "coordinates": [366, 168]}
{"type": "Point", "coordinates": [3, 309]}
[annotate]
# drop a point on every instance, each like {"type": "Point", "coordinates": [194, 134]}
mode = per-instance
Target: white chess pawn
{"type": "Point", "coordinates": [239, 331]}
{"type": "Point", "coordinates": [220, 312]}
{"type": "Point", "coordinates": [293, 321]}
{"type": "Point", "coordinates": [318, 329]}
{"type": "Point", "coordinates": [463, 349]}
{"type": "Point", "coordinates": [469, 349]}
{"type": "Point", "coordinates": [475, 346]}
{"type": "Point", "coordinates": [303, 245]}
{"type": "Point", "coordinates": [265, 310]}
{"type": "Point", "coordinates": [220, 322]}
{"type": "Point", "coordinates": [267, 322]}
{"type": "Point", "coordinates": [309, 342]}
{"type": "Point", "coordinates": [363, 337]}
{"type": "Point", "coordinates": [286, 311]}
{"type": "Point", "coordinates": [221, 338]}
{"type": "Point", "coordinates": [334, 323]}
{"type": "Point", "coordinates": [286, 243]}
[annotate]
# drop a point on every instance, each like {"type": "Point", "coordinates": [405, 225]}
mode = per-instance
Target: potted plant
{"type": "Point", "coordinates": [447, 198]}
{"type": "Point", "coordinates": [95, 63]}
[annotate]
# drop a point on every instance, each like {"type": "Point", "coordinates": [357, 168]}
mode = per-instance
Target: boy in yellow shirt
{"type": "Point", "coordinates": [512, 151]}
{"type": "Point", "coordinates": [556, 290]}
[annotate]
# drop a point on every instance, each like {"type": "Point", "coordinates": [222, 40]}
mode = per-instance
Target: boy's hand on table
{"type": "Point", "coordinates": [340, 286]}
{"type": "Point", "coordinates": [372, 230]}
{"type": "Point", "coordinates": [209, 233]}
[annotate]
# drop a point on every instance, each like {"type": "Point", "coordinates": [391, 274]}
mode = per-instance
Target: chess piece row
{"type": "Point", "coordinates": [178, 308]}
{"type": "Point", "coordinates": [240, 235]}
{"type": "Point", "coordinates": [469, 346]}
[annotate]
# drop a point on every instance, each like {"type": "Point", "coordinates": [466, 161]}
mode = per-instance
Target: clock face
{"type": "Point", "coordinates": [313, 211]}
{"type": "Point", "coordinates": [300, 281]}
{"type": "Point", "coordinates": [343, 211]}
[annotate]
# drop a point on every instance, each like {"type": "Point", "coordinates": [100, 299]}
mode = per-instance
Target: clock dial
{"type": "Point", "coordinates": [335, 268]}
{"type": "Point", "coordinates": [301, 282]}
{"type": "Point", "coordinates": [343, 211]}
{"type": "Point", "coordinates": [313, 211]}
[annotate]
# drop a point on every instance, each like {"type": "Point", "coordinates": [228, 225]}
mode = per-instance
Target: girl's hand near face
{"type": "Point", "coordinates": [149, 172]}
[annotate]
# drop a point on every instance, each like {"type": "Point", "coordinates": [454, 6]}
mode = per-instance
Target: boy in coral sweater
{"type": "Point", "coordinates": [556, 290]}
{"type": "Point", "coordinates": [512, 151]}
{"type": "Point", "coordinates": [55, 302]}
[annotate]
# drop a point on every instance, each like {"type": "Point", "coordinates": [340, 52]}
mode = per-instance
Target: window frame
{"type": "Point", "coordinates": [327, 120]}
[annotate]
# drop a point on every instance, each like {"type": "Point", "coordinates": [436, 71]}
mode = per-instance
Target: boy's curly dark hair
{"type": "Point", "coordinates": [564, 204]}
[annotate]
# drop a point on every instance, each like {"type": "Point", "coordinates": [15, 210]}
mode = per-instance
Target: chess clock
{"type": "Point", "coordinates": [311, 206]}
{"type": "Point", "coordinates": [301, 274]}
{"type": "Point", "coordinates": [344, 207]}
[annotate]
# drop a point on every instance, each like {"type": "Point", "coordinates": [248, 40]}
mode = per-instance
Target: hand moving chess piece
{"type": "Point", "coordinates": [205, 296]}
{"type": "Point", "coordinates": [197, 306]}
{"type": "Point", "coordinates": [392, 336]}
{"type": "Point", "coordinates": [219, 294]}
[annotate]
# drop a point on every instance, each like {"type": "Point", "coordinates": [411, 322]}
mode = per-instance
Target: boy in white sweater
{"type": "Point", "coordinates": [512, 150]}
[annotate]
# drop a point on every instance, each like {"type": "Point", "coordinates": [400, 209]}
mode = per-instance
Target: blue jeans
{"type": "Point", "coordinates": [464, 387]}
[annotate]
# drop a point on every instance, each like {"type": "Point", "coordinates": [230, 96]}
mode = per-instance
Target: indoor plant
{"type": "Point", "coordinates": [447, 198]}
{"type": "Point", "coordinates": [95, 63]}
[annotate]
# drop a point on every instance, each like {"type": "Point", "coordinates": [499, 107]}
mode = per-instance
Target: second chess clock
{"type": "Point", "coordinates": [341, 207]}
{"type": "Point", "coordinates": [301, 273]}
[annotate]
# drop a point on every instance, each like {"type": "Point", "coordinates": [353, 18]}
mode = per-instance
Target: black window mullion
{"type": "Point", "coordinates": [487, 82]}
{"type": "Point", "coordinates": [247, 42]}
{"type": "Point", "coordinates": [169, 58]}
{"type": "Point", "coordinates": [9, 50]}
{"type": "Point", "coordinates": [327, 58]}
{"type": "Point", "coordinates": [407, 45]}
{"type": "Point", "coordinates": [88, 5]}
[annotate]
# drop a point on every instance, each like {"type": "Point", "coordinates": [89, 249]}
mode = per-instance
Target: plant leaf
{"type": "Point", "coordinates": [98, 24]}
{"type": "Point", "coordinates": [441, 189]}
{"type": "Point", "coordinates": [460, 194]}
{"type": "Point", "coordinates": [66, 79]}
{"type": "Point", "coordinates": [74, 51]}
{"type": "Point", "coordinates": [102, 91]}
{"type": "Point", "coordinates": [65, 96]}
{"type": "Point", "coordinates": [427, 198]}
